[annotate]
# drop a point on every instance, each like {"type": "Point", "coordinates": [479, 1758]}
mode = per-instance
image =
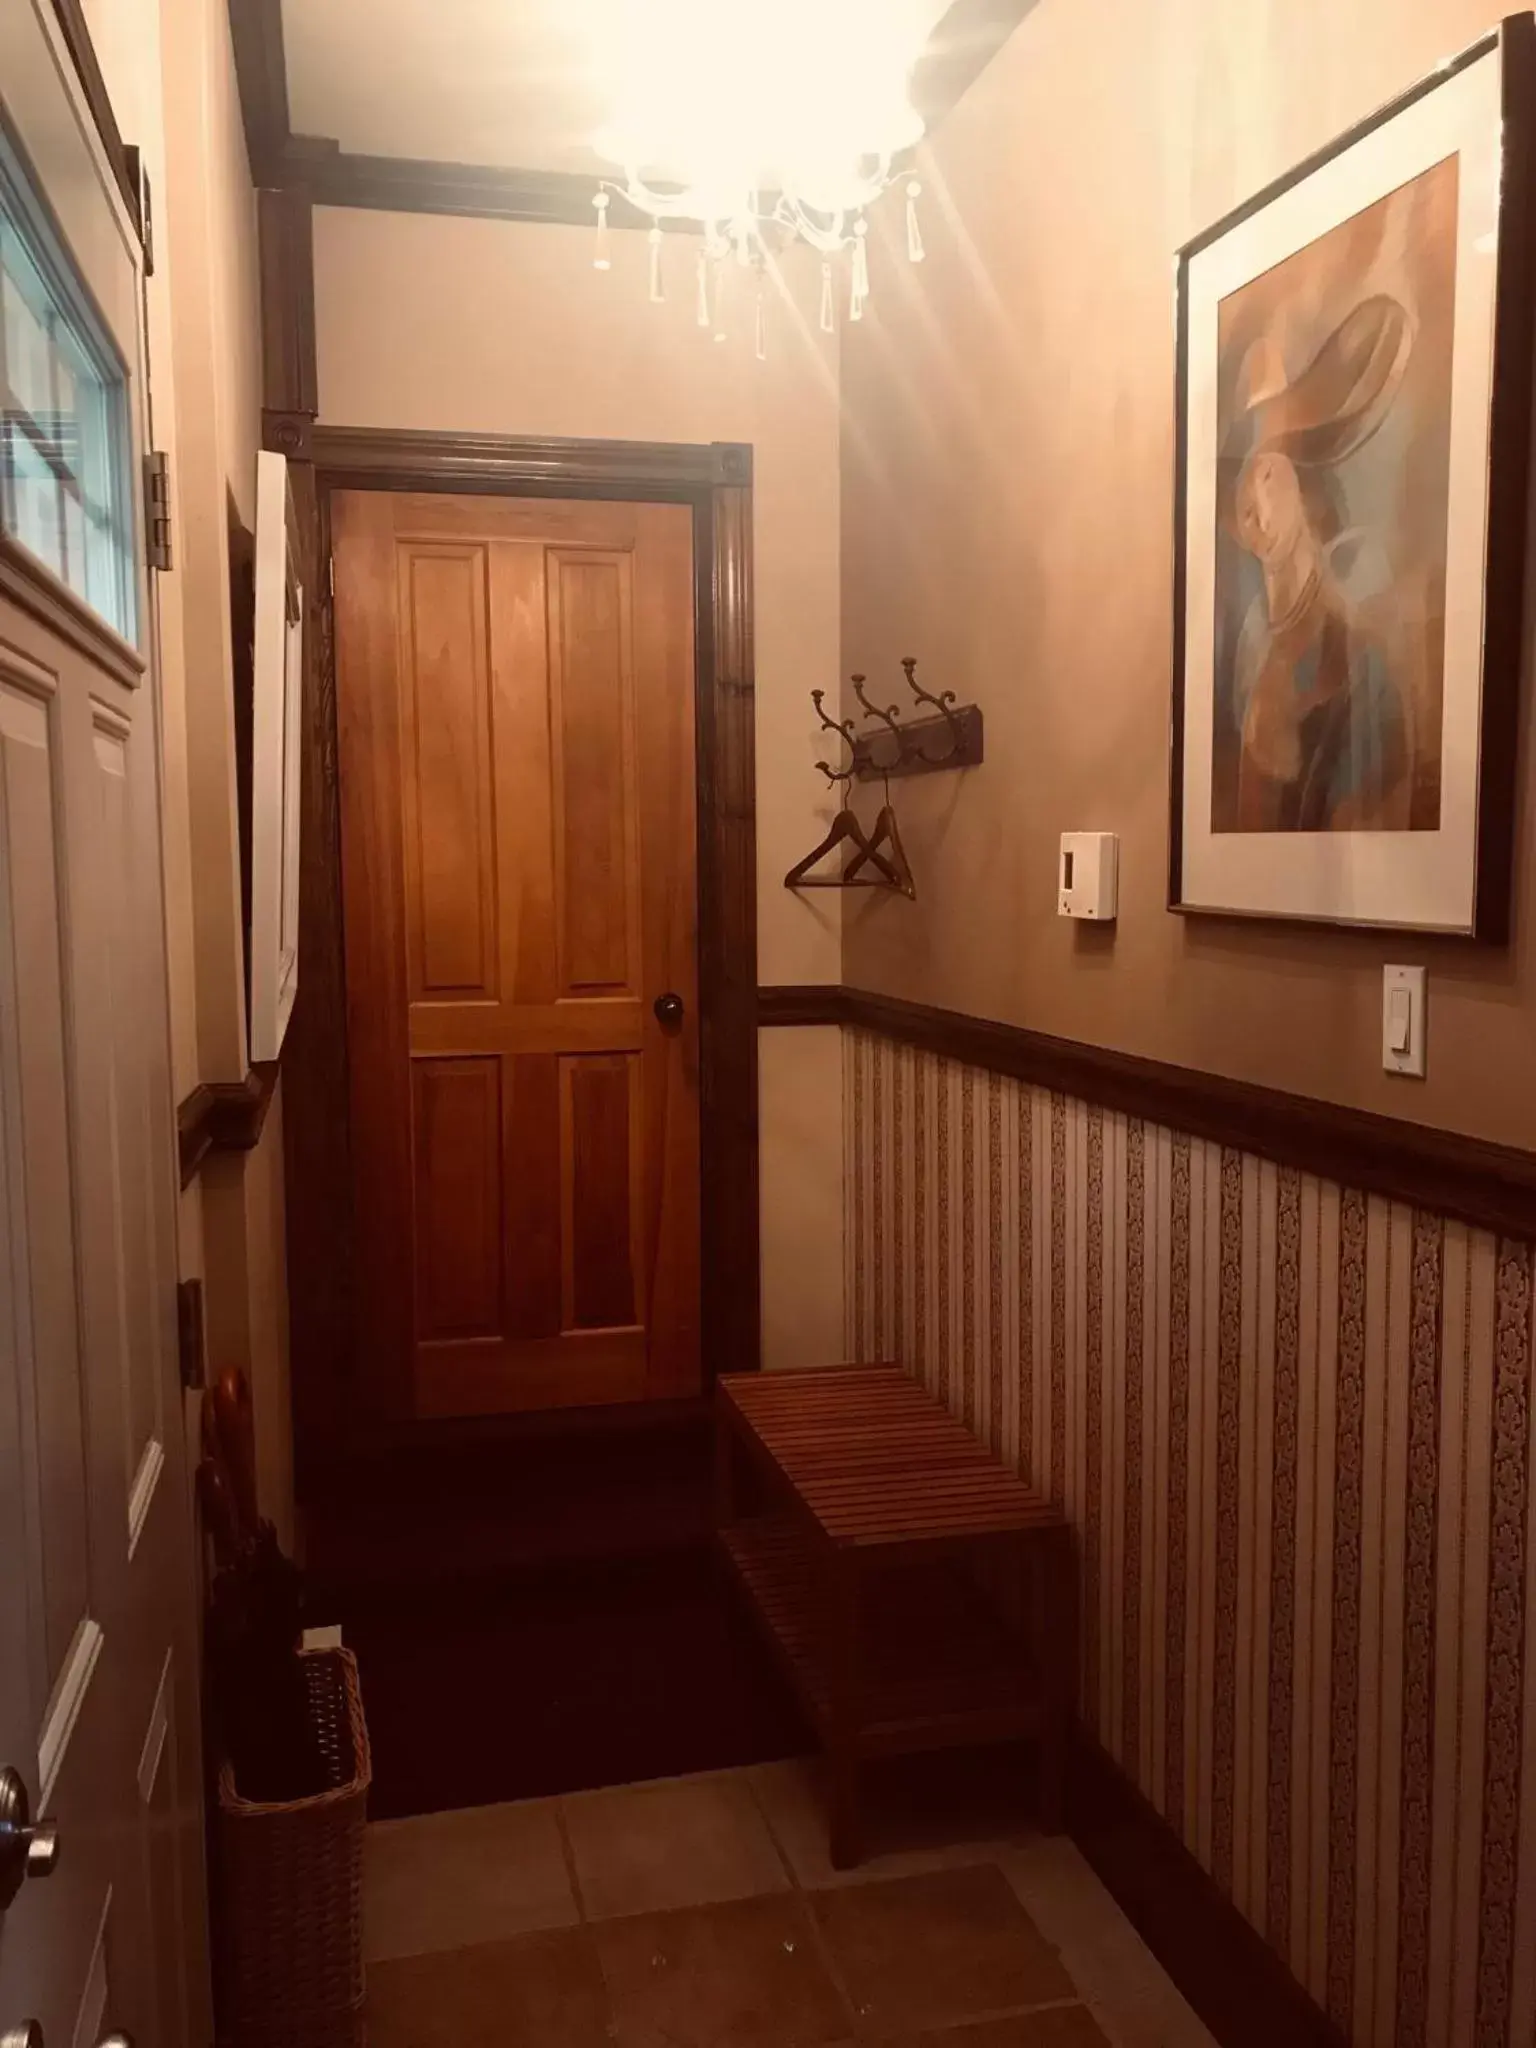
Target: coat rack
{"type": "Point", "coordinates": [951, 739]}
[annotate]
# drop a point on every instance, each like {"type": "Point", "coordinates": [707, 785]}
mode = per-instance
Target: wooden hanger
{"type": "Point", "coordinates": [846, 830]}
{"type": "Point", "coordinates": [887, 833]}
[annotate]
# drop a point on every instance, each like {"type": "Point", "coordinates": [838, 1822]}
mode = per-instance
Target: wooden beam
{"type": "Point", "coordinates": [256, 29]}
{"type": "Point", "coordinates": [290, 395]}
{"type": "Point", "coordinates": [398, 184]}
{"type": "Point", "coordinates": [398, 458]}
{"type": "Point", "coordinates": [962, 45]}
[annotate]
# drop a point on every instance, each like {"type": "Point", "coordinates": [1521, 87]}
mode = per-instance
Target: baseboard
{"type": "Point", "coordinates": [1226, 1970]}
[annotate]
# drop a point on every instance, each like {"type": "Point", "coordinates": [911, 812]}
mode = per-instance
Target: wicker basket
{"type": "Point", "coordinates": [291, 1883]}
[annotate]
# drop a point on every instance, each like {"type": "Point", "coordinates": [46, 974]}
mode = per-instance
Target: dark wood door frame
{"type": "Point", "coordinates": [715, 481]}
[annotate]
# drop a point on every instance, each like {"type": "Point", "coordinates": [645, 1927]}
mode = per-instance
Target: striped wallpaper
{"type": "Point", "coordinates": [1292, 1424]}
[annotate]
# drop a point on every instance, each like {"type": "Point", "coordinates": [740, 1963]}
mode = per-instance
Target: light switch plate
{"type": "Point", "coordinates": [1403, 1020]}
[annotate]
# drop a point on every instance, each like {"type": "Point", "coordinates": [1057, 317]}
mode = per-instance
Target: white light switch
{"type": "Point", "coordinates": [1403, 1020]}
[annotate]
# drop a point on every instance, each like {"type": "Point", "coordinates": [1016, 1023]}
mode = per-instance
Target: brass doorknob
{"type": "Point", "coordinates": [116, 2041]}
{"type": "Point", "coordinates": [27, 1848]}
{"type": "Point", "coordinates": [669, 1010]}
{"type": "Point", "coordinates": [28, 2035]}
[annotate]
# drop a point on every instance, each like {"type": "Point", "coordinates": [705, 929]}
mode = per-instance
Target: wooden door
{"type": "Point", "coordinates": [98, 1681]}
{"type": "Point", "coordinates": [515, 687]}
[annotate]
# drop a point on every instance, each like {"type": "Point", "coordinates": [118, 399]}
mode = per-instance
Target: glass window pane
{"type": "Point", "coordinates": [65, 446]}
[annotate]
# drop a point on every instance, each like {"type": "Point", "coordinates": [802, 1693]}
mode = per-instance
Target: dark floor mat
{"type": "Point", "coordinates": [557, 1679]}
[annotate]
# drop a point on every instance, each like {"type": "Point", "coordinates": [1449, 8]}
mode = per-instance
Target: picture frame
{"type": "Point", "coordinates": [276, 726]}
{"type": "Point", "coordinates": [1353, 415]}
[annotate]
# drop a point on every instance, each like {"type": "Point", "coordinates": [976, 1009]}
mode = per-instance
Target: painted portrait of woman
{"type": "Point", "coordinates": [1333, 458]}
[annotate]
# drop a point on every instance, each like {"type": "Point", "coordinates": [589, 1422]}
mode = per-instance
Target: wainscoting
{"type": "Point", "coordinates": [1292, 1423]}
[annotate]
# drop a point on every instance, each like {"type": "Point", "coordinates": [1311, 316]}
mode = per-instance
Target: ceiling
{"type": "Point", "coordinates": [504, 82]}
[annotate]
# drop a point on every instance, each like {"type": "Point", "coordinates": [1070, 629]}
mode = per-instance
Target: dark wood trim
{"type": "Point", "coordinates": [1509, 446]}
{"type": "Point", "coordinates": [809, 1002]}
{"type": "Point", "coordinates": [727, 870]}
{"type": "Point", "coordinates": [1492, 1187]}
{"type": "Point", "coordinates": [256, 31]}
{"type": "Point", "coordinates": [928, 746]}
{"type": "Point", "coordinates": [317, 1131]}
{"type": "Point", "coordinates": [37, 590]}
{"type": "Point", "coordinates": [399, 184]}
{"type": "Point", "coordinates": [223, 1116]}
{"type": "Point", "coordinates": [285, 240]}
{"type": "Point", "coordinates": [388, 459]}
{"type": "Point", "coordinates": [963, 43]}
{"type": "Point", "coordinates": [1509, 481]}
{"type": "Point", "coordinates": [1230, 1975]}
{"type": "Point", "coordinates": [82, 51]}
{"type": "Point", "coordinates": [715, 481]}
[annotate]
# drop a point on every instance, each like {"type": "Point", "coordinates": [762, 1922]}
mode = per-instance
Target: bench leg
{"type": "Point", "coordinates": [843, 1661]}
{"type": "Point", "coordinates": [1057, 1606]}
{"type": "Point", "coordinates": [725, 1471]}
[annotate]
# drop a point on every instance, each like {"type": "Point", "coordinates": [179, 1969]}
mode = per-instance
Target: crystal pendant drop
{"type": "Point", "coordinates": [915, 250]}
{"type": "Point", "coordinates": [658, 290]}
{"type": "Point", "coordinates": [760, 326]}
{"type": "Point", "coordinates": [828, 309]}
{"type": "Point", "coordinates": [860, 267]}
{"type": "Point", "coordinates": [600, 257]}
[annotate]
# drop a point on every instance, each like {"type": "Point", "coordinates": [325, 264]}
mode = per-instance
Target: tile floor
{"type": "Point", "coordinates": [703, 1913]}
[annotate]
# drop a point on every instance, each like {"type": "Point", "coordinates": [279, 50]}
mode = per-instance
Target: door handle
{"type": "Point", "coordinates": [669, 1010]}
{"type": "Point", "coordinates": [27, 1848]}
{"type": "Point", "coordinates": [115, 2041]}
{"type": "Point", "coordinates": [28, 2035]}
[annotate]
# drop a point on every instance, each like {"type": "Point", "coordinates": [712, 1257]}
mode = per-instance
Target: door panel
{"type": "Point", "coordinates": [86, 1302]}
{"type": "Point", "coordinates": [128, 1154]}
{"type": "Point", "coordinates": [456, 1138]}
{"type": "Point", "coordinates": [40, 1222]}
{"type": "Point", "coordinates": [97, 1615]}
{"type": "Point", "coordinates": [515, 712]}
{"type": "Point", "coordinates": [600, 1097]}
{"type": "Point", "coordinates": [597, 862]}
{"type": "Point", "coordinates": [450, 831]}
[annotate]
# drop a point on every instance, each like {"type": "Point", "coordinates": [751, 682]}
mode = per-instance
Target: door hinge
{"type": "Point", "coordinates": [190, 1335]}
{"type": "Point", "coordinates": [330, 576]}
{"type": "Point", "coordinates": [157, 508]}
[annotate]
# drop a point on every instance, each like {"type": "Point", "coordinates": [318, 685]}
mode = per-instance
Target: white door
{"type": "Point", "coordinates": [98, 1697]}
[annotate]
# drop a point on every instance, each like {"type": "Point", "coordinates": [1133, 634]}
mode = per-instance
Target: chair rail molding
{"type": "Point", "coordinates": [223, 1116]}
{"type": "Point", "coordinates": [1488, 1185]}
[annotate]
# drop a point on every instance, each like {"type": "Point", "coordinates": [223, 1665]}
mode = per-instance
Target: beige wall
{"type": "Point", "coordinates": [1007, 483]}
{"type": "Point", "coordinates": [170, 73]}
{"type": "Point", "coordinates": [441, 323]}
{"type": "Point", "coordinates": [800, 1141]}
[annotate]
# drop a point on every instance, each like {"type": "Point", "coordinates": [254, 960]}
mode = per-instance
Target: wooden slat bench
{"type": "Point", "coordinates": [919, 1593]}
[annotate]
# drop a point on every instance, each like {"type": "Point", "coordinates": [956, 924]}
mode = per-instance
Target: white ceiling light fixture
{"type": "Point", "coordinates": [765, 126]}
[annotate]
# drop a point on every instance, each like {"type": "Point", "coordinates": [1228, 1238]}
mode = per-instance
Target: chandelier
{"type": "Point", "coordinates": [762, 127]}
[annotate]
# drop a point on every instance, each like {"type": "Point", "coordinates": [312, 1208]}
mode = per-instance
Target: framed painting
{"type": "Point", "coordinates": [1354, 420]}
